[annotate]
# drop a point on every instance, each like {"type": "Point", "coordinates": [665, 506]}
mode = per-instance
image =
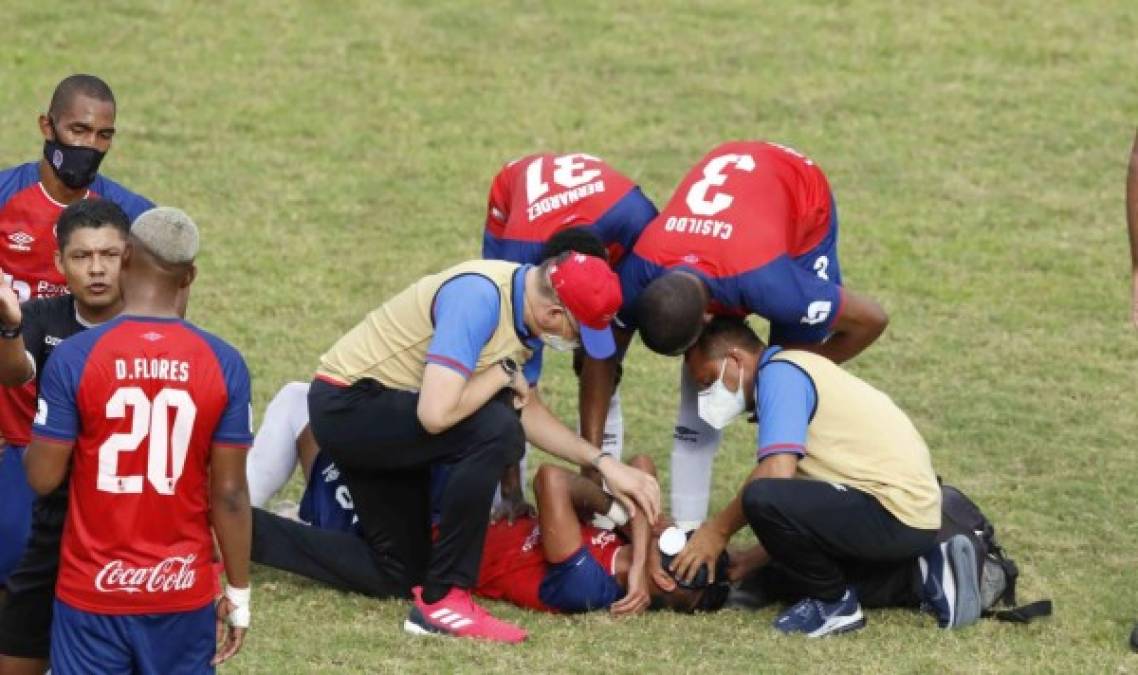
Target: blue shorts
{"type": "Point", "coordinates": [163, 644]}
{"type": "Point", "coordinates": [327, 503]}
{"type": "Point", "coordinates": [16, 498]}
{"type": "Point", "coordinates": [579, 584]}
{"type": "Point", "coordinates": [821, 260]}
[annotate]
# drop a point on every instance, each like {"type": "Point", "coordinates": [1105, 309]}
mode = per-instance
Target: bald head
{"type": "Point", "coordinates": [78, 85]}
{"type": "Point", "coordinates": [167, 234]}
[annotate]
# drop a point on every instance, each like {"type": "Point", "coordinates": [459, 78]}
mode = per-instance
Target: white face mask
{"type": "Point", "coordinates": [718, 405]}
{"type": "Point", "coordinates": [559, 343]}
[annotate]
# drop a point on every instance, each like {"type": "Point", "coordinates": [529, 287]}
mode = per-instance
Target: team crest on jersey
{"type": "Point", "coordinates": [152, 336]}
{"type": "Point", "coordinates": [20, 241]}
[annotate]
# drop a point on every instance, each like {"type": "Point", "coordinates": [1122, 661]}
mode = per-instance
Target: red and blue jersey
{"type": "Point", "coordinates": [756, 221]}
{"type": "Point", "coordinates": [514, 566]}
{"type": "Point", "coordinates": [537, 196]}
{"type": "Point", "coordinates": [143, 399]}
{"type": "Point", "coordinates": [27, 259]}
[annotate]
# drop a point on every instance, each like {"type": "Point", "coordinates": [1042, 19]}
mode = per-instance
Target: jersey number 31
{"type": "Point", "coordinates": [167, 444]}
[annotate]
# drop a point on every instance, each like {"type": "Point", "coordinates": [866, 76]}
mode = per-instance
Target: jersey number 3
{"type": "Point", "coordinates": [167, 444]}
{"type": "Point", "coordinates": [713, 177]}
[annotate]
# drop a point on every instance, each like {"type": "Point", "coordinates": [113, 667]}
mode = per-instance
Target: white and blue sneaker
{"type": "Point", "coordinates": [950, 583]}
{"type": "Point", "coordinates": [817, 618]}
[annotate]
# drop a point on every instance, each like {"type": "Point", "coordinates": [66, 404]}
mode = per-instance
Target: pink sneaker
{"type": "Point", "coordinates": [457, 615]}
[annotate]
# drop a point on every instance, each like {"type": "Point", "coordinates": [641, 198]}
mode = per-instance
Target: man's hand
{"type": "Point", "coordinates": [632, 487]}
{"type": "Point", "coordinates": [636, 600]}
{"type": "Point", "coordinates": [512, 507]}
{"type": "Point", "coordinates": [10, 315]}
{"type": "Point", "coordinates": [703, 548]}
{"type": "Point", "coordinates": [229, 638]}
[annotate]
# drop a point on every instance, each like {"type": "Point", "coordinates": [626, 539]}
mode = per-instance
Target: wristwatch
{"type": "Point", "coordinates": [510, 367]}
{"type": "Point", "coordinates": [11, 333]}
{"type": "Point", "coordinates": [596, 461]}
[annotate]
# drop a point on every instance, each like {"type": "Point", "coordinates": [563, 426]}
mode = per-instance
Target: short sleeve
{"type": "Point", "coordinates": [532, 368]}
{"type": "Point", "coordinates": [635, 274]}
{"type": "Point", "coordinates": [235, 428]}
{"type": "Point", "coordinates": [620, 227]}
{"type": "Point", "coordinates": [800, 305]}
{"type": "Point", "coordinates": [57, 415]}
{"type": "Point", "coordinates": [465, 312]}
{"type": "Point", "coordinates": [579, 584]}
{"type": "Point", "coordinates": [786, 400]}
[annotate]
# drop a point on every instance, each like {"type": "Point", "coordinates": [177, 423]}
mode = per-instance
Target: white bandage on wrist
{"type": "Point", "coordinates": [241, 599]}
{"type": "Point", "coordinates": [617, 513]}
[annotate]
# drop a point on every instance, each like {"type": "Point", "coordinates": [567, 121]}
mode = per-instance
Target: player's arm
{"type": "Point", "coordinates": [16, 367]}
{"type": "Point", "coordinates": [814, 314]}
{"type": "Point", "coordinates": [631, 486]}
{"type": "Point", "coordinates": [230, 512]}
{"type": "Point", "coordinates": [1132, 226]}
{"type": "Point", "coordinates": [46, 463]}
{"type": "Point", "coordinates": [466, 315]}
{"type": "Point", "coordinates": [56, 423]}
{"type": "Point", "coordinates": [553, 486]}
{"type": "Point", "coordinates": [637, 598]}
{"type": "Point", "coordinates": [232, 518]}
{"type": "Point", "coordinates": [785, 401]}
{"type": "Point", "coordinates": [861, 320]}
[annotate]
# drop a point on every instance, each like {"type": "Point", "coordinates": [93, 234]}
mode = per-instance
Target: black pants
{"type": "Point", "coordinates": [816, 532]}
{"type": "Point", "coordinates": [373, 435]}
{"type": "Point", "coordinates": [339, 559]}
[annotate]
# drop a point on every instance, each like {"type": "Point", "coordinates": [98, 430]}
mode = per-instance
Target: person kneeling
{"type": "Point", "coordinates": [843, 476]}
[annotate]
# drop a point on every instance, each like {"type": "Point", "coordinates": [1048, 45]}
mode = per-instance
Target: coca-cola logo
{"type": "Point", "coordinates": [172, 574]}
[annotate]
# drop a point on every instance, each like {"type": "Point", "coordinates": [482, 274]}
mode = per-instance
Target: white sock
{"type": "Point", "coordinates": [614, 427]}
{"type": "Point", "coordinates": [693, 451]}
{"type": "Point", "coordinates": [273, 457]}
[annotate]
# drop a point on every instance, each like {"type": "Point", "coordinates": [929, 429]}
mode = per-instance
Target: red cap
{"type": "Point", "coordinates": [590, 290]}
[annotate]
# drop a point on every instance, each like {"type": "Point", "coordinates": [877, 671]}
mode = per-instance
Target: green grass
{"type": "Point", "coordinates": [332, 152]}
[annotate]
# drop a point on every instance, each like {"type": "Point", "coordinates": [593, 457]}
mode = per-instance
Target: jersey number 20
{"type": "Point", "coordinates": [167, 444]}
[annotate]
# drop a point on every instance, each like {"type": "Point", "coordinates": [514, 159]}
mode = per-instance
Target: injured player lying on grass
{"type": "Point", "coordinates": [554, 562]}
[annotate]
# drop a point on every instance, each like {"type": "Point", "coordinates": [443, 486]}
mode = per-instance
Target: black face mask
{"type": "Point", "coordinates": [75, 165]}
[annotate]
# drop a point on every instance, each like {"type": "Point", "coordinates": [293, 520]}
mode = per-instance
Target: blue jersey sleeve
{"type": "Point", "coordinates": [133, 205]}
{"type": "Point", "coordinates": [532, 368]}
{"type": "Point", "coordinates": [236, 424]}
{"type": "Point", "coordinates": [57, 413]}
{"type": "Point", "coordinates": [579, 584]}
{"type": "Point", "coordinates": [625, 220]}
{"type": "Point", "coordinates": [800, 305]}
{"type": "Point", "coordinates": [786, 400]}
{"type": "Point", "coordinates": [465, 313]}
{"type": "Point", "coordinates": [635, 274]}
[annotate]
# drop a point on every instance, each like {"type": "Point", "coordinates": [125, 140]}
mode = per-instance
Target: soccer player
{"type": "Point", "coordinates": [77, 129]}
{"type": "Point", "coordinates": [151, 415]}
{"type": "Point", "coordinates": [752, 229]}
{"type": "Point", "coordinates": [842, 477]}
{"type": "Point", "coordinates": [537, 197]}
{"type": "Point", "coordinates": [442, 373]}
{"type": "Point", "coordinates": [554, 562]}
{"type": "Point", "coordinates": [92, 235]}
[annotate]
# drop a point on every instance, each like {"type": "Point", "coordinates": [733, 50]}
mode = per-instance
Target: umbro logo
{"type": "Point", "coordinates": [685, 434]}
{"type": "Point", "coordinates": [51, 340]}
{"type": "Point", "coordinates": [20, 241]}
{"type": "Point", "coordinates": [152, 336]}
{"type": "Point", "coordinates": [451, 619]}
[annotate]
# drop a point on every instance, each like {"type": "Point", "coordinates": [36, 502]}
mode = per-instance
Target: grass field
{"type": "Point", "coordinates": [332, 152]}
